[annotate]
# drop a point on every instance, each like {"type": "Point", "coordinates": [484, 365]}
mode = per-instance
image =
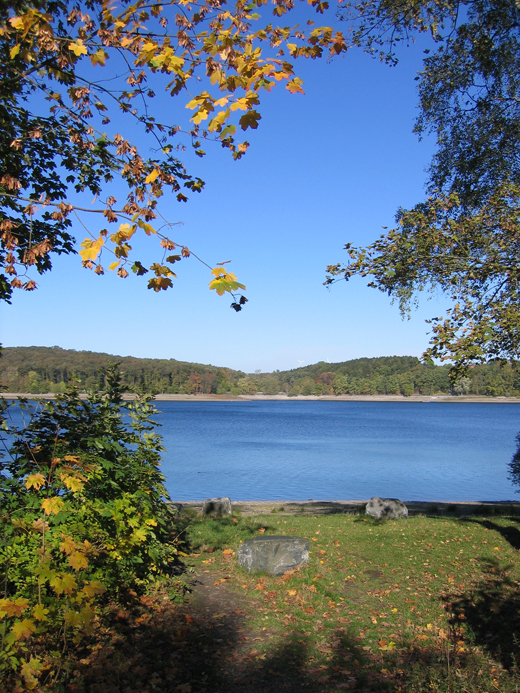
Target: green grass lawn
{"type": "Point", "coordinates": [422, 604]}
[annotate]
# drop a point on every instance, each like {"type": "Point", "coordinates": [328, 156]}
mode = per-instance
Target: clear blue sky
{"type": "Point", "coordinates": [323, 169]}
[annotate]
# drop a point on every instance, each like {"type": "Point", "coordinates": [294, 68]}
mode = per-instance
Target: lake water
{"type": "Point", "coordinates": [338, 450]}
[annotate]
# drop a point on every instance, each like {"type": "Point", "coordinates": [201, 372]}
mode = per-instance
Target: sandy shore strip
{"type": "Point", "coordinates": [299, 398]}
{"type": "Point", "coordinates": [315, 507]}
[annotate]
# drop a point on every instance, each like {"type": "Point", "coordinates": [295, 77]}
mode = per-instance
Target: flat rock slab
{"type": "Point", "coordinates": [272, 554]}
{"type": "Point", "coordinates": [386, 508]}
{"type": "Point", "coordinates": [216, 507]}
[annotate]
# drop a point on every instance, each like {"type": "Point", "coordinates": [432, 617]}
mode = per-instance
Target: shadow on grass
{"type": "Point", "coordinates": [491, 611]}
{"type": "Point", "coordinates": [510, 534]}
{"type": "Point", "coordinates": [155, 646]}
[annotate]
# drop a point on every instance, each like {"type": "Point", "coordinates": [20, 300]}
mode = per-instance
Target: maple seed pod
{"type": "Point", "coordinates": [99, 270]}
{"type": "Point", "coordinates": [185, 252]}
{"type": "Point", "coordinates": [121, 272]}
{"type": "Point", "coordinates": [88, 264]}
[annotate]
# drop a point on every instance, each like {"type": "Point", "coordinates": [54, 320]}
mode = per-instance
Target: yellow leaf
{"type": "Point", "coordinates": [124, 232]}
{"type": "Point", "coordinates": [99, 57]}
{"type": "Point", "coordinates": [201, 114]}
{"type": "Point", "coordinates": [17, 22]}
{"type": "Point", "coordinates": [52, 506]}
{"type": "Point", "coordinates": [146, 227]}
{"type": "Point", "coordinates": [14, 51]}
{"type": "Point", "coordinates": [73, 618]}
{"type": "Point", "coordinates": [113, 265]}
{"type": "Point", "coordinates": [35, 480]}
{"type": "Point", "coordinates": [40, 612]}
{"type": "Point", "coordinates": [91, 249]}
{"type": "Point", "coordinates": [72, 482]}
{"type": "Point", "coordinates": [68, 545]}
{"type": "Point", "coordinates": [90, 589]}
{"type": "Point", "coordinates": [23, 629]}
{"type": "Point", "coordinates": [78, 560]}
{"type": "Point", "coordinates": [78, 48]}
{"type": "Point", "coordinates": [11, 608]}
{"type": "Point", "coordinates": [31, 671]}
{"type": "Point", "coordinates": [64, 583]}
{"type": "Point", "coordinates": [241, 104]}
{"type": "Point", "coordinates": [152, 176]}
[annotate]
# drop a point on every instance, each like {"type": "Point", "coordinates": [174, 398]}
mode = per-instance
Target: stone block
{"type": "Point", "coordinates": [174, 508]}
{"type": "Point", "coordinates": [273, 555]}
{"type": "Point", "coordinates": [216, 507]}
{"type": "Point", "coordinates": [386, 508]}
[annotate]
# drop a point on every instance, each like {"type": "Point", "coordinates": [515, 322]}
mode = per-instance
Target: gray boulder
{"type": "Point", "coordinates": [174, 508]}
{"type": "Point", "coordinates": [273, 555]}
{"type": "Point", "coordinates": [386, 508]}
{"type": "Point", "coordinates": [216, 507]}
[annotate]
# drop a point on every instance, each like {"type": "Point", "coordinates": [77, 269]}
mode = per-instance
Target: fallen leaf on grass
{"type": "Point", "coordinates": [261, 530]}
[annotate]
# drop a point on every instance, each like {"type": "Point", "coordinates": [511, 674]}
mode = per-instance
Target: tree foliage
{"type": "Point", "coordinates": [83, 520]}
{"type": "Point", "coordinates": [464, 238]}
{"type": "Point", "coordinates": [77, 82]}
{"type": "Point", "coordinates": [42, 370]}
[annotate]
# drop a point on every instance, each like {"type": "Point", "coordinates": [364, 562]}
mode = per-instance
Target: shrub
{"type": "Point", "coordinates": [83, 521]}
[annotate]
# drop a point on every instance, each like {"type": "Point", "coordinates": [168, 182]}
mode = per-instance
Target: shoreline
{"type": "Point", "coordinates": [441, 398]}
{"type": "Point", "coordinates": [339, 507]}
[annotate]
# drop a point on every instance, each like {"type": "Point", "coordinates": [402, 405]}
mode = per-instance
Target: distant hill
{"type": "Point", "coordinates": [49, 369]}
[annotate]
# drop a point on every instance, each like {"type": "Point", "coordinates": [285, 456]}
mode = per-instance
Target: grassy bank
{"type": "Point", "coordinates": [411, 606]}
{"type": "Point", "coordinates": [424, 604]}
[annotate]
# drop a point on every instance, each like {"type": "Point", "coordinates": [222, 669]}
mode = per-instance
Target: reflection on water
{"type": "Point", "coordinates": [339, 450]}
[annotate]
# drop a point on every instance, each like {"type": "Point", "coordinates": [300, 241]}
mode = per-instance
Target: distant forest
{"type": "Point", "coordinates": [39, 370]}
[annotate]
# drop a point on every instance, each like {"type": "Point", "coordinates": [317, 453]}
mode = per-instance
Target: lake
{"type": "Point", "coordinates": [294, 450]}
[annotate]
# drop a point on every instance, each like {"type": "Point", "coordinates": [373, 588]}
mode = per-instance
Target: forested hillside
{"type": "Point", "coordinates": [42, 369]}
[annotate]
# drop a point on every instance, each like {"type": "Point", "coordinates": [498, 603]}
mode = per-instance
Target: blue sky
{"type": "Point", "coordinates": [323, 169]}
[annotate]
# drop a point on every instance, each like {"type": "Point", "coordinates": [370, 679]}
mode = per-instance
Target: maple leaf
{"type": "Point", "coordinates": [158, 283]}
{"type": "Point", "coordinates": [294, 86]}
{"type": "Point", "coordinates": [64, 583]}
{"type": "Point", "coordinates": [12, 608]}
{"type": "Point", "coordinates": [72, 482]}
{"type": "Point", "coordinates": [90, 589]}
{"type": "Point", "coordinates": [40, 612]}
{"type": "Point", "coordinates": [91, 249]}
{"type": "Point", "coordinates": [68, 545]}
{"type": "Point", "coordinates": [52, 506]}
{"type": "Point", "coordinates": [78, 48]}
{"type": "Point", "coordinates": [152, 176]}
{"type": "Point", "coordinates": [23, 629]}
{"type": "Point", "coordinates": [250, 120]}
{"type": "Point", "coordinates": [147, 228]}
{"type": "Point", "coordinates": [99, 57]}
{"type": "Point", "coordinates": [31, 671]}
{"type": "Point", "coordinates": [35, 481]}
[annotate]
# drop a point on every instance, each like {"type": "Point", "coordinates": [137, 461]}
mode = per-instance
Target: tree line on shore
{"type": "Point", "coordinates": [38, 370]}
